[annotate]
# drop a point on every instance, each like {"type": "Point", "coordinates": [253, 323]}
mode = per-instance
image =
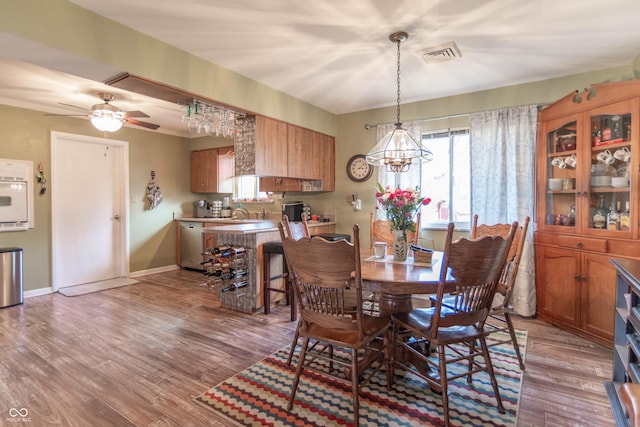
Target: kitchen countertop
{"type": "Point", "coordinates": [259, 226]}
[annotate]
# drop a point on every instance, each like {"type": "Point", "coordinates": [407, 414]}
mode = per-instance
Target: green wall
{"type": "Point", "coordinates": [73, 30]}
{"type": "Point", "coordinates": [25, 135]}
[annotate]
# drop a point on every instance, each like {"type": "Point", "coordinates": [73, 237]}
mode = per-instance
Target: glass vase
{"type": "Point", "coordinates": [400, 245]}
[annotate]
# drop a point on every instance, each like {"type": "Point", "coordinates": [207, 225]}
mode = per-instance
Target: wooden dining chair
{"type": "Point", "coordinates": [324, 273]}
{"type": "Point", "coordinates": [380, 230]}
{"type": "Point", "coordinates": [502, 308]}
{"type": "Point", "coordinates": [475, 265]}
{"type": "Point", "coordinates": [295, 230]}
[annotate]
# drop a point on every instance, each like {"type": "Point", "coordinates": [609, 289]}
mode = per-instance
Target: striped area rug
{"type": "Point", "coordinates": [258, 396]}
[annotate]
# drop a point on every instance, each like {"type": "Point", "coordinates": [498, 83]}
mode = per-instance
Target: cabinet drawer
{"type": "Point", "coordinates": [582, 243]}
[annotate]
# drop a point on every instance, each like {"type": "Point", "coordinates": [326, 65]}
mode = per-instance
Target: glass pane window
{"type": "Point", "coordinates": [447, 180]}
{"type": "Point", "coordinates": [246, 189]}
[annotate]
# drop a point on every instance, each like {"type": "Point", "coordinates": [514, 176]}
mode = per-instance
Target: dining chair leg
{"type": "Point", "coordinates": [444, 383]}
{"type": "Point", "coordinates": [355, 382]}
{"type": "Point", "coordinates": [296, 379]}
{"type": "Point", "coordinates": [293, 345]}
{"type": "Point", "coordinates": [514, 339]}
{"type": "Point", "coordinates": [392, 349]}
{"type": "Point", "coordinates": [489, 367]}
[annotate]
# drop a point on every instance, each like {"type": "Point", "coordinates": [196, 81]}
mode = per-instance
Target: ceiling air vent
{"type": "Point", "coordinates": [442, 53]}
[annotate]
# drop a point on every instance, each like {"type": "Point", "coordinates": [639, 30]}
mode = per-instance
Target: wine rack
{"type": "Point", "coordinates": [226, 268]}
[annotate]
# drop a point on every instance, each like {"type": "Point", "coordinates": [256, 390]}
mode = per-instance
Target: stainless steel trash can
{"type": "Point", "coordinates": [10, 277]}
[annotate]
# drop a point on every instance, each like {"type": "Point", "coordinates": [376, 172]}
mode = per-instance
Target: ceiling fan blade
{"type": "Point", "coordinates": [72, 106]}
{"type": "Point", "coordinates": [143, 124]}
{"type": "Point", "coordinates": [66, 115]}
{"type": "Point", "coordinates": [128, 114]}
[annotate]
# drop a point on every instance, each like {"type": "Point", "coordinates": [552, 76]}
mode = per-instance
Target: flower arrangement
{"type": "Point", "coordinates": [401, 206]}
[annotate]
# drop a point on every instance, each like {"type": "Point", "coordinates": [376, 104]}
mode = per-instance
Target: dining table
{"type": "Point", "coordinates": [397, 281]}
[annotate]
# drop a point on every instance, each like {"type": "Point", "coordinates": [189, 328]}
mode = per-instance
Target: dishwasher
{"type": "Point", "coordinates": [191, 244]}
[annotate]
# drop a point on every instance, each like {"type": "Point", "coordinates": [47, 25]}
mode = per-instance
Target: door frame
{"type": "Point", "coordinates": [121, 181]}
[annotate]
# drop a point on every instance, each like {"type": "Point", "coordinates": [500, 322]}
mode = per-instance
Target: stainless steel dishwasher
{"type": "Point", "coordinates": [191, 245]}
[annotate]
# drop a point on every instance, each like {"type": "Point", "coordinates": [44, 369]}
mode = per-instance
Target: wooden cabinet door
{"type": "Point", "coordinates": [301, 162]}
{"type": "Point", "coordinates": [204, 171]}
{"type": "Point", "coordinates": [598, 301]}
{"type": "Point", "coordinates": [278, 185]}
{"type": "Point", "coordinates": [558, 283]}
{"type": "Point", "coordinates": [270, 147]}
{"type": "Point", "coordinates": [210, 241]}
{"type": "Point", "coordinates": [225, 170]}
{"type": "Point", "coordinates": [325, 155]}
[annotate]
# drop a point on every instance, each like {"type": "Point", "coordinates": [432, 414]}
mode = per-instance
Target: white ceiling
{"type": "Point", "coordinates": [336, 54]}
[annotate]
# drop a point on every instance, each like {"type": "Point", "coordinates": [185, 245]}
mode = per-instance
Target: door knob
{"type": "Point", "coordinates": [116, 217]}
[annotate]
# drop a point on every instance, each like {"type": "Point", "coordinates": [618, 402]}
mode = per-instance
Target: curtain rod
{"type": "Point", "coordinates": [455, 116]}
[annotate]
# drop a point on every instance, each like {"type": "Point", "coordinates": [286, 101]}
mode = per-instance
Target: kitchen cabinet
{"type": "Point", "coordinates": [212, 170]}
{"type": "Point", "coordinates": [301, 161]}
{"type": "Point", "coordinates": [270, 147]}
{"type": "Point", "coordinates": [325, 157]}
{"type": "Point", "coordinates": [626, 353]}
{"type": "Point", "coordinates": [225, 170]}
{"type": "Point", "coordinates": [575, 292]}
{"type": "Point", "coordinates": [311, 163]}
{"type": "Point", "coordinates": [286, 157]}
{"type": "Point", "coordinates": [278, 185]}
{"type": "Point", "coordinates": [587, 176]}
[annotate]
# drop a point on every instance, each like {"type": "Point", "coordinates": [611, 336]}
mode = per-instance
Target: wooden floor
{"type": "Point", "coordinates": [137, 355]}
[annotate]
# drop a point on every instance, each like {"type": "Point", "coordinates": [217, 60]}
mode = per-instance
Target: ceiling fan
{"type": "Point", "coordinates": [109, 118]}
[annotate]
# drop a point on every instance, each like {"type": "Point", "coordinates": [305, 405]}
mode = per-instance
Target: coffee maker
{"type": "Point", "coordinates": [200, 209]}
{"type": "Point", "coordinates": [293, 210]}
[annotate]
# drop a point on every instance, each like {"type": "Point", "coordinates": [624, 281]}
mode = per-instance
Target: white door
{"type": "Point", "coordinates": [89, 190]}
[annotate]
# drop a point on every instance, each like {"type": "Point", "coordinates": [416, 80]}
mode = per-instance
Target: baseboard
{"type": "Point", "coordinates": [38, 292]}
{"type": "Point", "coordinates": [49, 290]}
{"type": "Point", "coordinates": [154, 270]}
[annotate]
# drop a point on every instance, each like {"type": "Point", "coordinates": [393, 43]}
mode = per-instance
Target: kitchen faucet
{"type": "Point", "coordinates": [240, 211]}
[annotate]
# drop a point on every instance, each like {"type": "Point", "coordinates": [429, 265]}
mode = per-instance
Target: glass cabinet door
{"type": "Point", "coordinates": [609, 170]}
{"type": "Point", "coordinates": [562, 159]}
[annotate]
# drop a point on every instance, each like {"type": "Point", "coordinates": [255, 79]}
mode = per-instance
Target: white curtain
{"type": "Point", "coordinates": [408, 179]}
{"type": "Point", "coordinates": [502, 182]}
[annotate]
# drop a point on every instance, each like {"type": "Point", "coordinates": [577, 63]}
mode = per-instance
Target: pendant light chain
{"type": "Point", "coordinates": [397, 150]}
{"type": "Point", "coordinates": [398, 82]}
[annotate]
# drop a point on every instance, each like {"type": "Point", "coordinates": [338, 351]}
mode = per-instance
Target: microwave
{"type": "Point", "coordinates": [293, 210]}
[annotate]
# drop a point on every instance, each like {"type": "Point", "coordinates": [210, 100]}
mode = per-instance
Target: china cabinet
{"type": "Point", "coordinates": [586, 204]}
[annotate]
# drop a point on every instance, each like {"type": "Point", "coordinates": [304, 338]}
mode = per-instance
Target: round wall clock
{"type": "Point", "coordinates": [358, 169]}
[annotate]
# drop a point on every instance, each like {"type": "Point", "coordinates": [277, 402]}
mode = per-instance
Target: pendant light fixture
{"type": "Point", "coordinates": [397, 150]}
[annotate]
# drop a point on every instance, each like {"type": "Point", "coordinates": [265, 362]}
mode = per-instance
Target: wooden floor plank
{"type": "Point", "coordinates": [139, 354]}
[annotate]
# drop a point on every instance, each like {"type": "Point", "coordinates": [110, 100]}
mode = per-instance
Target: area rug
{"type": "Point", "coordinates": [87, 288]}
{"type": "Point", "coordinates": [258, 396]}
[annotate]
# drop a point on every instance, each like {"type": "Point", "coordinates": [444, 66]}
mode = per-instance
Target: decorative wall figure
{"type": "Point", "coordinates": [42, 179]}
{"type": "Point", "coordinates": [153, 192]}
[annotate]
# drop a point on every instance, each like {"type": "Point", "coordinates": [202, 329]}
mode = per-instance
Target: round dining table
{"type": "Point", "coordinates": [397, 281]}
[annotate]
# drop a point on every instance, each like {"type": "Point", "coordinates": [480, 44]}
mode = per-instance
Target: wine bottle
{"type": "Point", "coordinates": [625, 220]}
{"type": "Point", "coordinates": [599, 218]}
{"type": "Point", "coordinates": [612, 218]}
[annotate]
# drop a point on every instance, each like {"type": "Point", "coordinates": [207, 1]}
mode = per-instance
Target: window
{"type": "Point", "coordinates": [246, 188]}
{"type": "Point", "coordinates": [447, 180]}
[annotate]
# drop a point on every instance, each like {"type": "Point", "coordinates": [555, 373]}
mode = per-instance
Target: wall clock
{"type": "Point", "coordinates": [358, 169]}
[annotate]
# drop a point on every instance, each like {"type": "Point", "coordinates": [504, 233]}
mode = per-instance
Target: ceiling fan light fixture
{"type": "Point", "coordinates": [398, 150]}
{"type": "Point", "coordinates": [106, 117]}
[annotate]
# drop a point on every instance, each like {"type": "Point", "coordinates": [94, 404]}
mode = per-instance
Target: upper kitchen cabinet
{"type": "Point", "coordinates": [587, 203]}
{"type": "Point", "coordinates": [285, 156]}
{"type": "Point", "coordinates": [300, 153]}
{"type": "Point", "coordinates": [270, 147]}
{"type": "Point", "coordinates": [324, 154]}
{"type": "Point", "coordinates": [212, 170]}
